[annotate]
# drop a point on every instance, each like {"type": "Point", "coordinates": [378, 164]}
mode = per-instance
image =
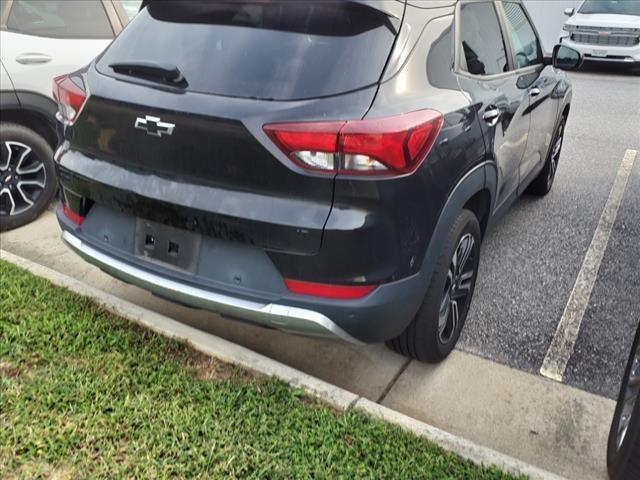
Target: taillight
{"type": "Point", "coordinates": [394, 145]}
{"type": "Point", "coordinates": [339, 292]}
{"type": "Point", "coordinates": [71, 215]}
{"type": "Point", "coordinates": [70, 97]}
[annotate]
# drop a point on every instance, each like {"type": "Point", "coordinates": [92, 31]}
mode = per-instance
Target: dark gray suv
{"type": "Point", "coordinates": [325, 168]}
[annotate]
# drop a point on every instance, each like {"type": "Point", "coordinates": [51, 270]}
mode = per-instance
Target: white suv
{"type": "Point", "coordinates": [39, 40]}
{"type": "Point", "coordinates": [605, 31]}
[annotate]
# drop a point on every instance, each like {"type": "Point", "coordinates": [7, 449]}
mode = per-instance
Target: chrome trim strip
{"type": "Point", "coordinates": [281, 317]}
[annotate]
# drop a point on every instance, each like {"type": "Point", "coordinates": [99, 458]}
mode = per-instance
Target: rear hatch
{"type": "Point", "coordinates": [191, 141]}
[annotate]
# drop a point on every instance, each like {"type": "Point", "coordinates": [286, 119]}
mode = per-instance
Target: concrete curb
{"type": "Point", "coordinates": [465, 448]}
{"type": "Point", "coordinates": [232, 353]}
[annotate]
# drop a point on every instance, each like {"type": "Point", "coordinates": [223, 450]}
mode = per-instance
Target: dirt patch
{"type": "Point", "coordinates": [8, 370]}
{"type": "Point", "coordinates": [61, 474]}
{"type": "Point", "coordinates": [209, 368]}
{"type": "Point", "coordinates": [41, 470]}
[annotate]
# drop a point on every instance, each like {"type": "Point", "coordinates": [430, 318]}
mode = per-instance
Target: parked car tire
{"type": "Point", "coordinates": [542, 184]}
{"type": "Point", "coordinates": [436, 327]}
{"type": "Point", "coordinates": [623, 449]}
{"type": "Point", "coordinates": [27, 175]}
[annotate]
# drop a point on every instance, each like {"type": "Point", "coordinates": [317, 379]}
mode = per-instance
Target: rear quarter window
{"type": "Point", "coordinates": [278, 50]}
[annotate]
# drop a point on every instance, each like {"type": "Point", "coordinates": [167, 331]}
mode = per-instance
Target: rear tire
{"type": "Point", "coordinates": [27, 175]}
{"type": "Point", "coordinates": [623, 449]}
{"type": "Point", "coordinates": [542, 184]}
{"type": "Point", "coordinates": [434, 331]}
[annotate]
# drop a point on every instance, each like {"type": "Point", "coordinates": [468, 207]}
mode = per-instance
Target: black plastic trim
{"type": "Point", "coordinates": [38, 103]}
{"type": "Point", "coordinates": [9, 100]}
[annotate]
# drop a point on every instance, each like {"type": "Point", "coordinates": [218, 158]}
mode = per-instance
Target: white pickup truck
{"type": "Point", "coordinates": [605, 31]}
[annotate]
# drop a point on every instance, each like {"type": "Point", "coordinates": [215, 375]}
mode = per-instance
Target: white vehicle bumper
{"type": "Point", "coordinates": [605, 53]}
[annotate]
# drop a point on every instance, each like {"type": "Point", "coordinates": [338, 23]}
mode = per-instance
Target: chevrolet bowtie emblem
{"type": "Point", "coordinates": [154, 126]}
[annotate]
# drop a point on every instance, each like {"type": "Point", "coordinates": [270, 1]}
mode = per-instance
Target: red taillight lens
{"type": "Point", "coordinates": [70, 97]}
{"type": "Point", "coordinates": [313, 146]}
{"type": "Point", "coordinates": [71, 215]}
{"type": "Point", "coordinates": [382, 146]}
{"type": "Point", "coordinates": [340, 292]}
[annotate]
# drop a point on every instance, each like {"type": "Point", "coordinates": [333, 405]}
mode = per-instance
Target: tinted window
{"type": "Point", "coordinates": [481, 39]}
{"type": "Point", "coordinates": [60, 18]}
{"type": "Point", "coordinates": [270, 50]}
{"type": "Point", "coordinates": [525, 43]}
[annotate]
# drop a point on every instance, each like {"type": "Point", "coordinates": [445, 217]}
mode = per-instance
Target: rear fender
{"type": "Point", "coordinates": [481, 177]}
{"type": "Point", "coordinates": [413, 289]}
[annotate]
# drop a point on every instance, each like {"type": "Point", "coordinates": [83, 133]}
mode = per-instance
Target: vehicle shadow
{"type": "Point", "coordinates": [599, 68]}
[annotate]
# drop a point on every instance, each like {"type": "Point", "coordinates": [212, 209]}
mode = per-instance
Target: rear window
{"type": "Point", "coordinates": [276, 50]}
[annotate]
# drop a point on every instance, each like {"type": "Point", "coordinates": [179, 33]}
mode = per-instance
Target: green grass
{"type": "Point", "coordinates": [85, 394]}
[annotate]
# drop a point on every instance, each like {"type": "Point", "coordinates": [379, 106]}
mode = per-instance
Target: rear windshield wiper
{"type": "Point", "coordinates": [152, 71]}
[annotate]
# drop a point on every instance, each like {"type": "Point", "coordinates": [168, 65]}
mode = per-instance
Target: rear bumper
{"type": "Point", "coordinates": [297, 320]}
{"type": "Point", "coordinates": [261, 298]}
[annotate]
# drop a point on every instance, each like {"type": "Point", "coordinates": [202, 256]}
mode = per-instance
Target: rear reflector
{"type": "Point", "coordinates": [394, 145]}
{"type": "Point", "coordinates": [340, 292]}
{"type": "Point", "coordinates": [70, 97]}
{"type": "Point", "coordinates": [71, 215]}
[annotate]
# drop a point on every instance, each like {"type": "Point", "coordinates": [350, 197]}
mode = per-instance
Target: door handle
{"type": "Point", "coordinates": [491, 116]}
{"type": "Point", "coordinates": [534, 92]}
{"type": "Point", "coordinates": [33, 58]}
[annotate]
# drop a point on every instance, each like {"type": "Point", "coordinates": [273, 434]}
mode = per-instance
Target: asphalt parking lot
{"type": "Point", "coordinates": [530, 261]}
{"type": "Point", "coordinates": [491, 390]}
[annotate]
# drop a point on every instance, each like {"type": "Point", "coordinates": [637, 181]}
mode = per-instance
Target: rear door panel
{"type": "Point", "coordinates": [33, 62]}
{"type": "Point", "coordinates": [505, 140]}
{"type": "Point", "coordinates": [45, 39]}
{"type": "Point", "coordinates": [499, 96]}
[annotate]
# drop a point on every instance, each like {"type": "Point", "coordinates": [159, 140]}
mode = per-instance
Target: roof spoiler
{"type": "Point", "coordinates": [393, 8]}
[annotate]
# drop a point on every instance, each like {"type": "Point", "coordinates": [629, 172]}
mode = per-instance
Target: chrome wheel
{"type": "Point", "coordinates": [555, 155]}
{"type": "Point", "coordinates": [457, 288]}
{"type": "Point", "coordinates": [630, 399]}
{"type": "Point", "coordinates": [22, 178]}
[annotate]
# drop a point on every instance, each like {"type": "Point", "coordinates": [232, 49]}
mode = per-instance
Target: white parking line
{"type": "Point", "coordinates": [561, 348]}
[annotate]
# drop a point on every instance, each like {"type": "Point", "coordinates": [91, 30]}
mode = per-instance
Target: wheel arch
{"type": "Point", "coordinates": [475, 192]}
{"type": "Point", "coordinates": [480, 205]}
{"type": "Point", "coordinates": [33, 111]}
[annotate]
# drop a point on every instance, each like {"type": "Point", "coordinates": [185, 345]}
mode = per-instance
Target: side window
{"type": "Point", "coordinates": [481, 39]}
{"type": "Point", "coordinates": [523, 37]}
{"type": "Point", "coordinates": [60, 18]}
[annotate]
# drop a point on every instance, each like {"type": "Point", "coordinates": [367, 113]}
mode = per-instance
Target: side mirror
{"type": "Point", "coordinates": [566, 58]}
{"type": "Point", "coordinates": [569, 12]}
